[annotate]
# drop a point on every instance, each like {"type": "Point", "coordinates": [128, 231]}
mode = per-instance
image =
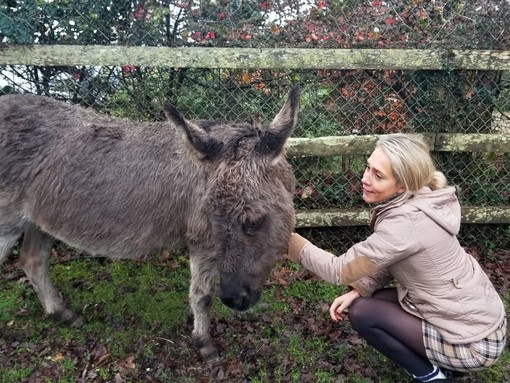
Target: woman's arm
{"type": "Point", "coordinates": [344, 269]}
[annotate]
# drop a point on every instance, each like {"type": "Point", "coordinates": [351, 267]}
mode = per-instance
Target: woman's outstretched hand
{"type": "Point", "coordinates": [296, 244]}
{"type": "Point", "coordinates": [341, 303]}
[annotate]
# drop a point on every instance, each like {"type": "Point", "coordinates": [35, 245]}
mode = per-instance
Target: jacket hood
{"type": "Point", "coordinates": [442, 206]}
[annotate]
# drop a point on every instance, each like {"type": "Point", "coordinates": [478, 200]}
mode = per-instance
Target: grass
{"type": "Point", "coordinates": [138, 329]}
{"type": "Point", "coordinates": [15, 374]}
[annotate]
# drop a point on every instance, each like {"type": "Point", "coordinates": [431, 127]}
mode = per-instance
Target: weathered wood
{"type": "Point", "coordinates": [327, 146]}
{"type": "Point", "coordinates": [460, 142]}
{"type": "Point", "coordinates": [438, 142]}
{"type": "Point", "coordinates": [486, 215]}
{"type": "Point", "coordinates": [260, 58]}
{"type": "Point", "coordinates": [360, 217]}
{"type": "Point", "coordinates": [332, 217]}
{"type": "Point", "coordinates": [475, 59]}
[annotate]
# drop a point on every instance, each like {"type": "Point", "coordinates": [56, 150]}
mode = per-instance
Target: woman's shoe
{"type": "Point", "coordinates": [448, 379]}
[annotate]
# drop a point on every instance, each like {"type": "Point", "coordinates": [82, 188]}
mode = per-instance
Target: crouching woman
{"type": "Point", "coordinates": [444, 314]}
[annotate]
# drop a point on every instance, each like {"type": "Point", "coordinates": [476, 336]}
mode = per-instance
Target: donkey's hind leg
{"type": "Point", "coordinates": [34, 261]}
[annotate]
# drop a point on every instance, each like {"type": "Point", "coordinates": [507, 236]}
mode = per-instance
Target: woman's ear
{"type": "Point", "coordinates": [401, 190]}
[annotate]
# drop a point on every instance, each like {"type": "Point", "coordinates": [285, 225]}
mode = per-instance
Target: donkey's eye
{"type": "Point", "coordinates": [252, 226]}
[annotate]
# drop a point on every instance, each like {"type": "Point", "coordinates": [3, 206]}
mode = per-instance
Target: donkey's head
{"type": "Point", "coordinates": [249, 203]}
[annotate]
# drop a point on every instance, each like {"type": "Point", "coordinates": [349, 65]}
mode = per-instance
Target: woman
{"type": "Point", "coordinates": [444, 314]}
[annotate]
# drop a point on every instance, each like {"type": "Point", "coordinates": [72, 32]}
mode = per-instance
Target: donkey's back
{"type": "Point", "coordinates": [106, 185]}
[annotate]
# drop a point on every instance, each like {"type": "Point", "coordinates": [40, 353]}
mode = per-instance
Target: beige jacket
{"type": "Point", "coordinates": [414, 244]}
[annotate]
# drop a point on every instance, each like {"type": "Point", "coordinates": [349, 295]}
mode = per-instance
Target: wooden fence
{"type": "Point", "coordinates": [274, 58]}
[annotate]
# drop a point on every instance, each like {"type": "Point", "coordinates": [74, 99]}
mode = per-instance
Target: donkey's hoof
{"type": "Point", "coordinates": [68, 317]}
{"type": "Point", "coordinates": [76, 321]}
{"type": "Point", "coordinates": [209, 354]}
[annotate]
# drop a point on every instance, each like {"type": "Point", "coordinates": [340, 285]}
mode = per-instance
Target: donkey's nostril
{"type": "Point", "coordinates": [244, 300]}
{"type": "Point", "coordinates": [238, 294]}
{"type": "Point", "coordinates": [238, 302]}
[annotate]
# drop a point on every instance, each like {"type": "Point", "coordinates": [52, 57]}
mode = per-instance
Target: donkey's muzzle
{"type": "Point", "coordinates": [236, 294]}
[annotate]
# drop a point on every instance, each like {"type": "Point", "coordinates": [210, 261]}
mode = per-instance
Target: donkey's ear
{"type": "Point", "coordinates": [273, 140]}
{"type": "Point", "coordinates": [197, 136]}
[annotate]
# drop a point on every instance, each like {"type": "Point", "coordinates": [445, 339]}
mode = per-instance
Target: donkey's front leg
{"type": "Point", "coordinates": [201, 295]}
{"type": "Point", "coordinates": [34, 262]}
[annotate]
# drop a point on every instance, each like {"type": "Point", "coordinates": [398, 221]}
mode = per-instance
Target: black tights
{"type": "Point", "coordinates": [382, 322]}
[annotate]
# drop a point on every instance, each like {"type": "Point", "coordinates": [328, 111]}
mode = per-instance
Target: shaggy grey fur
{"type": "Point", "coordinates": [128, 189]}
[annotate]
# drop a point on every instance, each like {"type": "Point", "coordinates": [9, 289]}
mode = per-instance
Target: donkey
{"type": "Point", "coordinates": [125, 189]}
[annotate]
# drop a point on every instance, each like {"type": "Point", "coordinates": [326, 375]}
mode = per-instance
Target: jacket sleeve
{"type": "Point", "coordinates": [367, 285]}
{"type": "Point", "coordinates": [337, 270]}
{"type": "Point", "coordinates": [365, 265]}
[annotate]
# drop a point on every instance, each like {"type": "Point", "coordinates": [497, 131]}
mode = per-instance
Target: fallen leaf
{"type": "Point", "coordinates": [57, 357]}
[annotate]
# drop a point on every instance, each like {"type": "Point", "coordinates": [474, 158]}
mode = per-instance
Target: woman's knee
{"type": "Point", "coordinates": [360, 312]}
{"type": "Point", "coordinates": [371, 312]}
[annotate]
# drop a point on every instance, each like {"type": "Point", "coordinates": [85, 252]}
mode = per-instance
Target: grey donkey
{"type": "Point", "coordinates": [127, 189]}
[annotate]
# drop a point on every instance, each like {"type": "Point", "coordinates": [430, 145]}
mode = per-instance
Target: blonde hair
{"type": "Point", "coordinates": [411, 162]}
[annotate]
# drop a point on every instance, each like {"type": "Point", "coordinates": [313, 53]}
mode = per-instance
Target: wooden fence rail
{"type": "Point", "coordinates": [359, 217]}
{"type": "Point", "coordinates": [257, 58]}
{"type": "Point", "coordinates": [438, 142]}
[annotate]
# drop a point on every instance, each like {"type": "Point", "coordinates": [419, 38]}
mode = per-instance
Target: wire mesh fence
{"type": "Point", "coordinates": [333, 102]}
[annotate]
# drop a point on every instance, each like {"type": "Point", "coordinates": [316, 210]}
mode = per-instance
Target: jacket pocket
{"type": "Point", "coordinates": [404, 300]}
{"type": "Point", "coordinates": [461, 281]}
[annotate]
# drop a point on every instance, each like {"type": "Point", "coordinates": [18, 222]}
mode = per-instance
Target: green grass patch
{"type": "Point", "coordinates": [114, 290]}
{"type": "Point", "coordinates": [15, 374]}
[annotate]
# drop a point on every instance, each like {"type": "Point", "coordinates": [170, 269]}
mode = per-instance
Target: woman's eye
{"type": "Point", "coordinates": [252, 226]}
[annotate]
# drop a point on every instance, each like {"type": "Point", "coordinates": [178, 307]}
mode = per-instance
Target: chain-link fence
{"type": "Point", "coordinates": [333, 102]}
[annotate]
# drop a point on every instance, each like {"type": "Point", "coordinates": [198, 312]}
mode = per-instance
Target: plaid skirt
{"type": "Point", "coordinates": [464, 357]}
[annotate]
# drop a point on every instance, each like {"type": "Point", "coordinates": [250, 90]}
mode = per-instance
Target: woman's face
{"type": "Point", "coordinates": [378, 180]}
